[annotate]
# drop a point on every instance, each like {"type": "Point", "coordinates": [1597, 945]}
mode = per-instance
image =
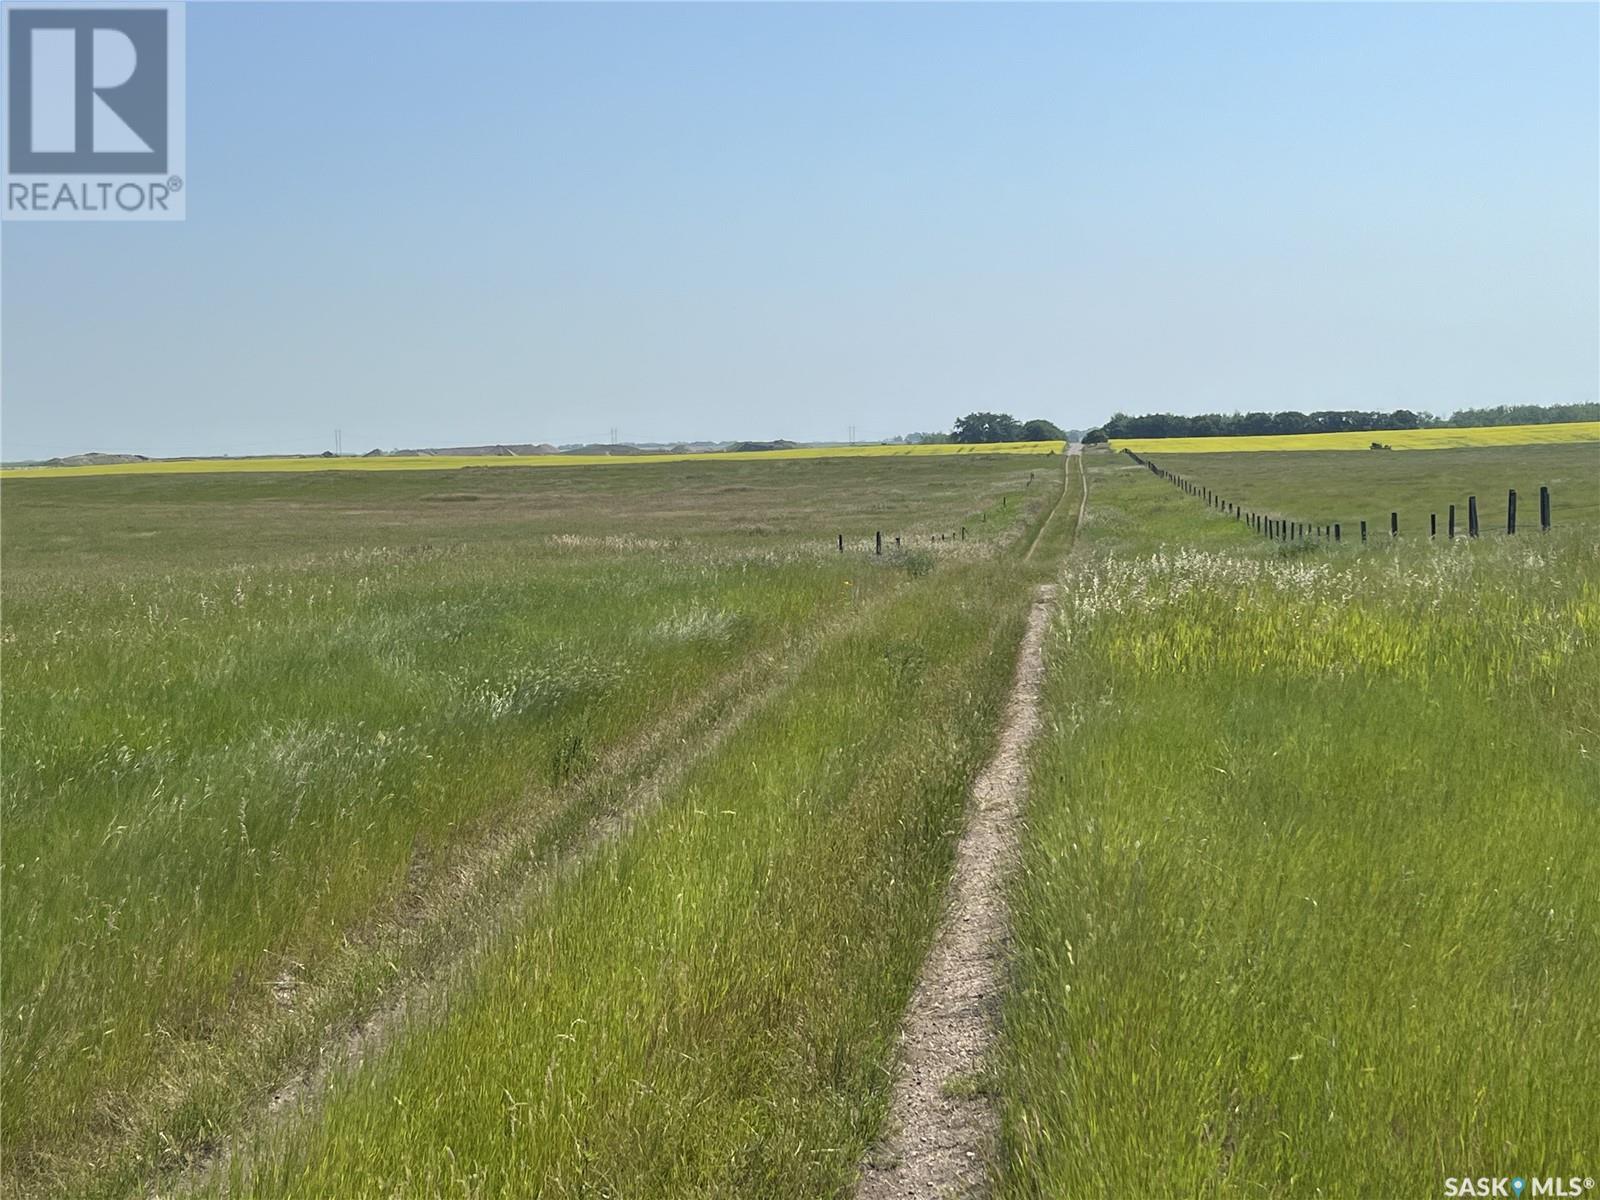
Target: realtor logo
{"type": "Point", "coordinates": [94, 112]}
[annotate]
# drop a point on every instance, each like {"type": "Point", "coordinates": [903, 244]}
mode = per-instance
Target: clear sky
{"type": "Point", "coordinates": [450, 224]}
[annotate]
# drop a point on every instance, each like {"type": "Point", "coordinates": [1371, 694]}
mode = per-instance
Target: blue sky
{"type": "Point", "coordinates": [432, 224]}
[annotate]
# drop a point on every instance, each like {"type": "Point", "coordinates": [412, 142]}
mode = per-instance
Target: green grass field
{"type": "Point", "coordinates": [581, 833]}
{"type": "Point", "coordinates": [709, 1010]}
{"type": "Point", "coordinates": [278, 748]}
{"type": "Point", "coordinates": [1327, 486]}
{"type": "Point", "coordinates": [1309, 903]}
{"type": "Point", "coordinates": [441, 462]}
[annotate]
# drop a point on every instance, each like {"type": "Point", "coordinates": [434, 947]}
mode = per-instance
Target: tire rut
{"type": "Point", "coordinates": [648, 768]}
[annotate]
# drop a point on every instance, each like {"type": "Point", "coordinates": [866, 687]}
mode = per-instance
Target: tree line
{"type": "Point", "coordinates": [1168, 425]}
{"type": "Point", "coordinates": [985, 427]}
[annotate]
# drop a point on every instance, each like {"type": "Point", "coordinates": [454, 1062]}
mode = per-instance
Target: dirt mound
{"type": "Point", "coordinates": [94, 459]}
{"type": "Point", "coordinates": [507, 450]}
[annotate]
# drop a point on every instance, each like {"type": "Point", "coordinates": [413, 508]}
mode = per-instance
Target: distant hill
{"type": "Point", "coordinates": [513, 450]}
{"type": "Point", "coordinates": [495, 450]}
{"type": "Point", "coordinates": [93, 459]}
{"type": "Point", "coordinates": [605, 448]}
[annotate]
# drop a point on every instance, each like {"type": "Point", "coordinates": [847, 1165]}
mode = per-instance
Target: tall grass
{"type": "Point", "coordinates": [210, 787]}
{"type": "Point", "coordinates": [710, 1008]}
{"type": "Point", "coordinates": [251, 722]}
{"type": "Point", "coordinates": [1308, 903]}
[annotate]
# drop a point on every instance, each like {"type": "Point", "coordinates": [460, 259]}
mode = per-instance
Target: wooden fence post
{"type": "Point", "coordinates": [1336, 531]}
{"type": "Point", "coordinates": [1433, 525]}
{"type": "Point", "coordinates": [963, 533]}
{"type": "Point", "coordinates": [1544, 510]}
{"type": "Point", "coordinates": [1452, 522]}
{"type": "Point", "coordinates": [1363, 531]}
{"type": "Point", "coordinates": [1472, 516]}
{"type": "Point", "coordinates": [880, 541]}
{"type": "Point", "coordinates": [841, 543]}
{"type": "Point", "coordinates": [1511, 511]}
{"type": "Point", "coordinates": [1394, 524]}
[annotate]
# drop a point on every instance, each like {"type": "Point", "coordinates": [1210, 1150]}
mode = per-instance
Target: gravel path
{"type": "Point", "coordinates": [940, 1128]}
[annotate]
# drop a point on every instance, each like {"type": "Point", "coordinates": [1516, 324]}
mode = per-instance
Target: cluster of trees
{"type": "Point", "coordinates": [1165, 425]}
{"type": "Point", "coordinates": [980, 427]}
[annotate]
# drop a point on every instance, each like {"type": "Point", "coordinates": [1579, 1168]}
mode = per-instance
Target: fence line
{"type": "Point", "coordinates": [1283, 529]}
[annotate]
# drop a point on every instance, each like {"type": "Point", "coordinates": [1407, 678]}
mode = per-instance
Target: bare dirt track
{"type": "Point", "coordinates": [941, 1126]}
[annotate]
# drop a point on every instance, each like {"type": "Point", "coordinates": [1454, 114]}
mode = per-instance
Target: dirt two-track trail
{"type": "Point", "coordinates": [939, 1143]}
{"type": "Point", "coordinates": [941, 1128]}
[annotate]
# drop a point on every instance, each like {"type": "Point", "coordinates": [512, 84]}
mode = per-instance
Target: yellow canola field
{"type": "Point", "coordinates": [441, 462]}
{"type": "Point", "coordinates": [1398, 439]}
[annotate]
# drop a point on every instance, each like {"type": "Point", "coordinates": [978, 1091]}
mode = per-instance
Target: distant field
{"type": "Point", "coordinates": [1328, 486]}
{"type": "Point", "coordinates": [451, 462]}
{"type": "Point", "coordinates": [279, 748]}
{"type": "Point", "coordinates": [1398, 439]}
{"type": "Point", "coordinates": [1308, 904]}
